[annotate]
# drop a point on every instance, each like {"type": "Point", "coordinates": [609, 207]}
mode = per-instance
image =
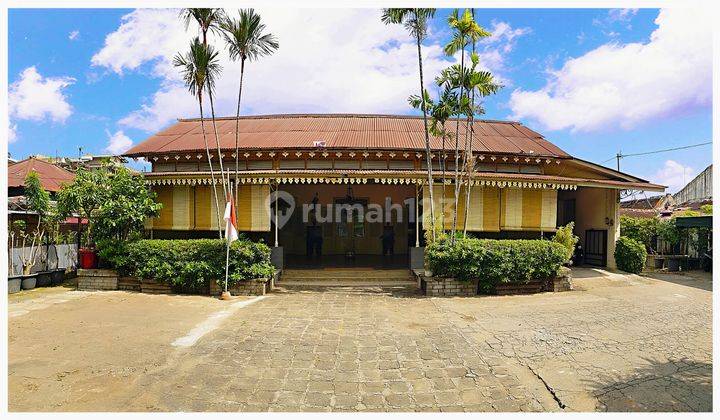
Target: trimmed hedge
{"type": "Point", "coordinates": [630, 255]}
{"type": "Point", "coordinates": [188, 265]}
{"type": "Point", "coordinates": [493, 262]}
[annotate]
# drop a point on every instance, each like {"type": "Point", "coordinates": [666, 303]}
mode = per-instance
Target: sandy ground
{"type": "Point", "coordinates": [617, 343]}
{"type": "Point", "coordinates": [86, 353]}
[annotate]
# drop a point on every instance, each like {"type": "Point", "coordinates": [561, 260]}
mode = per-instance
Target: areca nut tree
{"type": "Point", "coordinates": [199, 67]}
{"type": "Point", "coordinates": [207, 19]}
{"type": "Point", "coordinates": [415, 21]}
{"type": "Point", "coordinates": [246, 41]}
{"type": "Point", "coordinates": [465, 31]}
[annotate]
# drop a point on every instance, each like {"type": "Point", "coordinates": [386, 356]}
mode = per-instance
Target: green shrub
{"type": "Point", "coordinates": [630, 255]}
{"type": "Point", "coordinates": [495, 261]}
{"type": "Point", "coordinates": [190, 265]}
{"type": "Point", "coordinates": [565, 237]}
{"type": "Point", "coordinates": [115, 253]}
{"type": "Point", "coordinates": [640, 229]}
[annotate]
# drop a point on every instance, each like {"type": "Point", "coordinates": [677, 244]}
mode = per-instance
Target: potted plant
{"type": "Point", "coordinates": [14, 280]}
{"type": "Point", "coordinates": [28, 254]}
{"type": "Point", "coordinates": [57, 273]}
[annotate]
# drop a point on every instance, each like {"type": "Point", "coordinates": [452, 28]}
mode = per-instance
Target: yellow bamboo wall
{"type": "Point", "coordinates": [194, 208]}
{"type": "Point", "coordinates": [493, 209]}
{"type": "Point", "coordinates": [528, 209]}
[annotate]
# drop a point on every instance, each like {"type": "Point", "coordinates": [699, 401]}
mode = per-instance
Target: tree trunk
{"type": "Point", "coordinates": [237, 134]}
{"type": "Point", "coordinates": [212, 171]}
{"type": "Point", "coordinates": [427, 142]}
{"type": "Point", "coordinates": [457, 148]}
{"type": "Point", "coordinates": [217, 143]}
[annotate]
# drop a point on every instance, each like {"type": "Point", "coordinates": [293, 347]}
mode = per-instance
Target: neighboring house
{"type": "Point", "coordinates": [523, 186]}
{"type": "Point", "coordinates": [648, 207]}
{"type": "Point", "coordinates": [51, 177]}
{"type": "Point", "coordinates": [85, 161]}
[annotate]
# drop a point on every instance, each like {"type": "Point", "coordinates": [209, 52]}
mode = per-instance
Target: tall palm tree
{"type": "Point", "coordinates": [246, 42]}
{"type": "Point", "coordinates": [483, 84]}
{"type": "Point", "coordinates": [199, 68]}
{"type": "Point", "coordinates": [415, 21]}
{"type": "Point", "coordinates": [466, 30]}
{"type": "Point", "coordinates": [208, 20]}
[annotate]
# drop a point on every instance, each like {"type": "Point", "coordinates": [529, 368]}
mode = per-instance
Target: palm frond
{"type": "Point", "coordinates": [245, 38]}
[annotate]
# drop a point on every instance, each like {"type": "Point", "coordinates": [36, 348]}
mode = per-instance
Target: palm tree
{"type": "Point", "coordinates": [466, 30]}
{"type": "Point", "coordinates": [247, 42]}
{"type": "Point", "coordinates": [415, 21]}
{"type": "Point", "coordinates": [199, 67]}
{"type": "Point", "coordinates": [208, 20]}
{"type": "Point", "coordinates": [482, 83]}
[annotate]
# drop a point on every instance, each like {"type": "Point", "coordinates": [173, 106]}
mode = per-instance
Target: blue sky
{"type": "Point", "coordinates": [593, 81]}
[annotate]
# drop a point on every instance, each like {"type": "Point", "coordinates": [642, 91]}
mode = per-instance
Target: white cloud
{"type": "Point", "coordinates": [504, 34]}
{"type": "Point", "coordinates": [118, 143]}
{"type": "Point", "coordinates": [371, 68]}
{"type": "Point", "coordinates": [72, 36]}
{"type": "Point", "coordinates": [623, 85]}
{"type": "Point", "coordinates": [12, 133]}
{"type": "Point", "coordinates": [621, 15]}
{"type": "Point", "coordinates": [674, 175]}
{"type": "Point", "coordinates": [34, 97]}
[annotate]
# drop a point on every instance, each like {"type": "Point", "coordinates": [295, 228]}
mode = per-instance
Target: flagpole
{"type": "Point", "coordinates": [226, 294]}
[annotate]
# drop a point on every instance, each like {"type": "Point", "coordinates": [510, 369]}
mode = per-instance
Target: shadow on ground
{"type": "Point", "coordinates": [659, 386]}
{"type": "Point", "coordinates": [699, 280]}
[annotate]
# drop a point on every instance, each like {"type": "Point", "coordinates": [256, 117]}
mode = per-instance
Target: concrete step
{"type": "Point", "coordinates": [346, 274]}
{"type": "Point", "coordinates": [349, 280]}
{"type": "Point", "coordinates": [348, 284]}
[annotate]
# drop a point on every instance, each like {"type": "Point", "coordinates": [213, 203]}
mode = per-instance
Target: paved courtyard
{"type": "Point", "coordinates": [617, 343]}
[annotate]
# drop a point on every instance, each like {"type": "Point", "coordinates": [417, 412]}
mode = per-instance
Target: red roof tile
{"type": "Point", "coordinates": [341, 131]}
{"type": "Point", "coordinates": [51, 176]}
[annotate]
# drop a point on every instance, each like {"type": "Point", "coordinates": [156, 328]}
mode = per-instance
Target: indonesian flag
{"type": "Point", "coordinates": [231, 233]}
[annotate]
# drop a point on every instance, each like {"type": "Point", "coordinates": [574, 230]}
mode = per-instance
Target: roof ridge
{"type": "Point", "coordinates": [338, 115]}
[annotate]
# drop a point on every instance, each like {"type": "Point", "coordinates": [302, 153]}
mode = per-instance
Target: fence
{"type": "Point", "coordinates": [65, 256]}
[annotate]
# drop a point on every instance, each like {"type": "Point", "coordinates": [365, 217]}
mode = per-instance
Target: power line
{"type": "Point", "coordinates": [667, 150]}
{"type": "Point", "coordinates": [619, 155]}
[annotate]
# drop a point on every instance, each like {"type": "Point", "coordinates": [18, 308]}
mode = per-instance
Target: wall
{"type": "Point", "coordinates": [700, 188]}
{"type": "Point", "coordinates": [592, 207]}
{"type": "Point", "coordinates": [66, 252]}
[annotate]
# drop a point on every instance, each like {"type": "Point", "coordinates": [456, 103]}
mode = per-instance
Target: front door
{"type": "Point", "coordinates": [596, 247]}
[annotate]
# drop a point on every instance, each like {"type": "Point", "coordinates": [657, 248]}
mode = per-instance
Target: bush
{"type": "Point", "coordinates": [640, 229]}
{"type": "Point", "coordinates": [565, 237]}
{"type": "Point", "coordinates": [630, 255]}
{"type": "Point", "coordinates": [114, 252]}
{"type": "Point", "coordinates": [495, 261]}
{"type": "Point", "coordinates": [190, 265]}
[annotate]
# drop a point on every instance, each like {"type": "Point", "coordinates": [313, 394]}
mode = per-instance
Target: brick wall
{"type": "Point", "coordinates": [97, 279]}
{"type": "Point", "coordinates": [447, 287]}
{"type": "Point", "coordinates": [257, 287]}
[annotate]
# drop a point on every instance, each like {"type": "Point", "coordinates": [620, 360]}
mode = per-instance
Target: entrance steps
{"type": "Point", "coordinates": [346, 277]}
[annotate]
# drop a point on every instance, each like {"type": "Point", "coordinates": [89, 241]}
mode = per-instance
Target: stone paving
{"type": "Point", "coordinates": [617, 343]}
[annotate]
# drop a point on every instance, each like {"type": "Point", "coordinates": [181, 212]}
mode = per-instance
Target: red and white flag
{"type": "Point", "coordinates": [231, 233]}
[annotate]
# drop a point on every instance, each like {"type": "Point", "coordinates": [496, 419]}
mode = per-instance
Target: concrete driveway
{"type": "Point", "coordinates": [618, 343]}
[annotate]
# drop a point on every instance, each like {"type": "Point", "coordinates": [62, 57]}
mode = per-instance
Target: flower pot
{"type": "Point", "coordinates": [44, 278]}
{"type": "Point", "coordinates": [14, 283]}
{"type": "Point", "coordinates": [29, 281]}
{"type": "Point", "coordinates": [57, 276]}
{"type": "Point", "coordinates": [673, 264]}
{"type": "Point", "coordinates": [659, 262]}
{"type": "Point", "coordinates": [88, 258]}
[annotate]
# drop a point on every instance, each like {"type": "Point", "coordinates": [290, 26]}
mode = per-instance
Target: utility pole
{"type": "Point", "coordinates": [618, 157]}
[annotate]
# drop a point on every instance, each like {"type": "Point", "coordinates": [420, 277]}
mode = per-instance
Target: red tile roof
{"type": "Point", "coordinates": [51, 176]}
{"type": "Point", "coordinates": [342, 131]}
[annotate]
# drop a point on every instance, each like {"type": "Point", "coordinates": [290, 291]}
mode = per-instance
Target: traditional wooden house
{"type": "Point", "coordinates": [522, 185]}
